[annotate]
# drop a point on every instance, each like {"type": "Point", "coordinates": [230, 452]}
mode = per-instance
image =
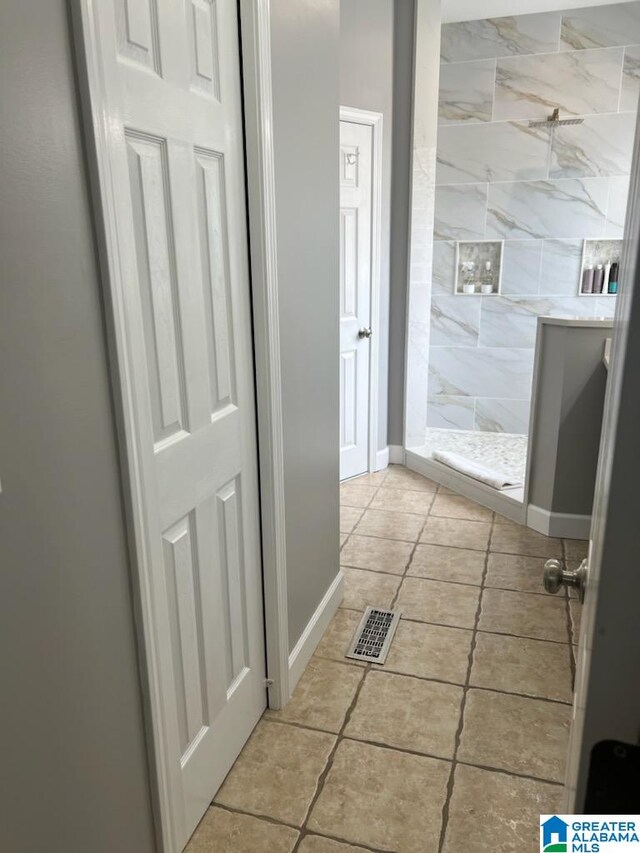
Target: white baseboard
{"type": "Point", "coordinates": [560, 524]}
{"type": "Point", "coordinates": [393, 454]}
{"type": "Point", "coordinates": [396, 454]}
{"type": "Point", "coordinates": [382, 459]}
{"type": "Point", "coordinates": [312, 634]}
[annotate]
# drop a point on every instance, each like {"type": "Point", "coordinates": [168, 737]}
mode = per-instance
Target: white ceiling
{"type": "Point", "coordinates": [472, 10]}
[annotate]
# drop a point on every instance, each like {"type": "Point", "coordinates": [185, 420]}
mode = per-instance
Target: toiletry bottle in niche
{"type": "Point", "coordinates": [468, 277]}
{"type": "Point", "coordinates": [587, 279]}
{"type": "Point", "coordinates": [486, 283]}
{"type": "Point", "coordinates": [598, 278]}
{"type": "Point", "coordinates": [613, 278]}
{"type": "Point", "coordinates": [607, 274]}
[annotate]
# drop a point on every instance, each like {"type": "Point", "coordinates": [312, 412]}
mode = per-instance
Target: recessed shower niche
{"type": "Point", "coordinates": [478, 268]}
{"type": "Point", "coordinates": [600, 255]}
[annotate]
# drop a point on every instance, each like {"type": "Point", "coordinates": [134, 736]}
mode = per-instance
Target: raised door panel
{"type": "Point", "coordinates": [187, 640]}
{"type": "Point", "coordinates": [213, 244]}
{"type": "Point", "coordinates": [348, 263]}
{"type": "Point", "coordinates": [348, 398]}
{"type": "Point", "coordinates": [138, 37]}
{"type": "Point", "coordinates": [231, 556]}
{"type": "Point", "coordinates": [205, 582]}
{"type": "Point", "coordinates": [157, 283]}
{"type": "Point", "coordinates": [202, 27]}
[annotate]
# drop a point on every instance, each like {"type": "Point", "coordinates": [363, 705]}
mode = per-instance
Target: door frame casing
{"type": "Point", "coordinates": [375, 121]}
{"type": "Point", "coordinates": [255, 18]}
{"type": "Point", "coordinates": [254, 27]}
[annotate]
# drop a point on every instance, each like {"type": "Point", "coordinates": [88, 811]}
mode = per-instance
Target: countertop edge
{"type": "Point", "coordinates": [577, 322]}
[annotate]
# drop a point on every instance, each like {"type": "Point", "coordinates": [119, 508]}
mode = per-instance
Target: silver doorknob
{"type": "Point", "coordinates": [555, 576]}
{"type": "Point", "coordinates": [364, 333]}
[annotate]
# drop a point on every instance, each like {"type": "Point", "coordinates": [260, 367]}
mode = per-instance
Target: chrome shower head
{"type": "Point", "coordinates": [554, 120]}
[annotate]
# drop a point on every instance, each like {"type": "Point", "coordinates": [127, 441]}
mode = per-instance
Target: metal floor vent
{"type": "Point", "coordinates": [374, 634]}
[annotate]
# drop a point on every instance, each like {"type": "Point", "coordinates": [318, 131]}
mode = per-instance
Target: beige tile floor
{"type": "Point", "coordinates": [458, 742]}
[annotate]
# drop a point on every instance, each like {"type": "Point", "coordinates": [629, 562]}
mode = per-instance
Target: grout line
{"type": "Point", "coordinates": [621, 85]}
{"type": "Point", "coordinates": [381, 670]}
{"type": "Point", "coordinates": [540, 268]}
{"type": "Point", "coordinates": [568, 703]}
{"type": "Point", "coordinates": [327, 768]}
{"type": "Point", "coordinates": [377, 489]}
{"type": "Point", "coordinates": [485, 183]}
{"type": "Point", "coordinates": [494, 94]}
{"type": "Point", "coordinates": [345, 505]}
{"type": "Point", "coordinates": [238, 810]}
{"type": "Point", "coordinates": [462, 628]}
{"type": "Point", "coordinates": [394, 600]}
{"type": "Point", "coordinates": [520, 636]}
{"type": "Point", "coordinates": [451, 518]}
{"type": "Point", "coordinates": [465, 690]}
{"type": "Point", "coordinates": [382, 745]}
{"type": "Point", "coordinates": [340, 736]}
{"type": "Point", "coordinates": [371, 572]}
{"type": "Point", "coordinates": [403, 511]}
{"type": "Point", "coordinates": [360, 845]}
{"type": "Point", "coordinates": [557, 51]}
{"type": "Point", "coordinates": [414, 621]}
{"type": "Point", "coordinates": [397, 487]}
{"type": "Point", "coordinates": [560, 23]}
{"type": "Point", "coordinates": [441, 579]}
{"type": "Point", "coordinates": [278, 822]}
{"type": "Point", "coordinates": [491, 769]}
{"type": "Point", "coordinates": [304, 831]}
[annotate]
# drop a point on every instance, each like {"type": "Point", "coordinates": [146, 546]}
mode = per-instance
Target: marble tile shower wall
{"type": "Point", "coordinates": [541, 192]}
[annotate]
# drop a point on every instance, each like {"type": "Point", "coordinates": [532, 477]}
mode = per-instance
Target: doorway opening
{"type": "Point", "coordinates": [360, 238]}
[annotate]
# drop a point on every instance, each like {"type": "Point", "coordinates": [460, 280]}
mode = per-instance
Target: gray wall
{"type": "Point", "coordinates": [366, 82]}
{"type": "Point", "coordinates": [376, 73]}
{"type": "Point", "coordinates": [403, 59]}
{"type": "Point", "coordinates": [305, 60]}
{"type": "Point", "coordinates": [73, 750]}
{"type": "Point", "coordinates": [568, 401]}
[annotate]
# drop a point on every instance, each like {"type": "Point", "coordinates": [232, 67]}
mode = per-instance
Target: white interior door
{"type": "Point", "coordinates": [607, 702]}
{"type": "Point", "coordinates": [164, 85]}
{"type": "Point", "coordinates": [356, 156]}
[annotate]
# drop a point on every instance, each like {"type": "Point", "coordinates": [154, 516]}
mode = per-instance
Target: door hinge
{"type": "Point", "coordinates": [269, 682]}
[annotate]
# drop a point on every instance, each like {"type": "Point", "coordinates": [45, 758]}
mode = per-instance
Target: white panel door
{"type": "Point", "coordinates": [164, 80]}
{"type": "Point", "coordinates": [356, 149]}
